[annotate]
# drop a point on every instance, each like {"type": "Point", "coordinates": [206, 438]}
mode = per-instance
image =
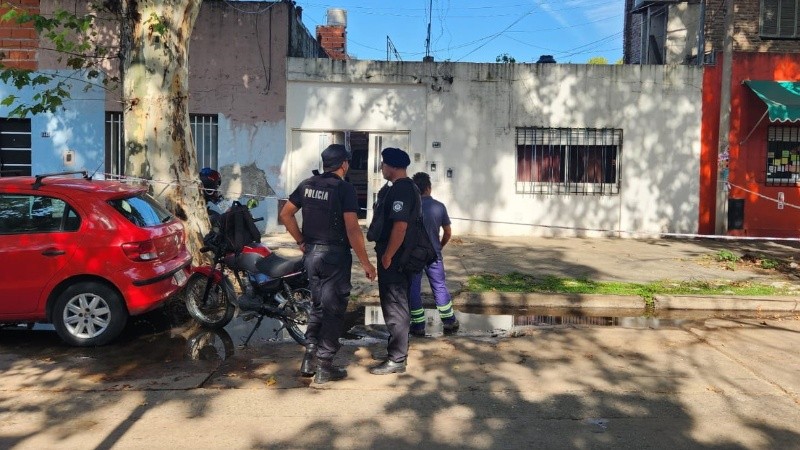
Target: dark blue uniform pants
{"type": "Point", "coordinates": [329, 282]}
{"type": "Point", "coordinates": [394, 304]}
{"type": "Point", "coordinates": [393, 287]}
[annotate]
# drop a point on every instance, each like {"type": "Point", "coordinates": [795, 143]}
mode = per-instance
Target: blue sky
{"type": "Point", "coordinates": [478, 31]}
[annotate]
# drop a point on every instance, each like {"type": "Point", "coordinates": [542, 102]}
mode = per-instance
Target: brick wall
{"type": "Point", "coordinates": [19, 42]}
{"type": "Point", "coordinates": [333, 38]}
{"type": "Point", "coordinates": [746, 32]}
{"type": "Point", "coordinates": [631, 37]}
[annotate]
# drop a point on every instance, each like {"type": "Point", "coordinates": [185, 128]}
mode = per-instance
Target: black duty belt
{"type": "Point", "coordinates": [326, 247]}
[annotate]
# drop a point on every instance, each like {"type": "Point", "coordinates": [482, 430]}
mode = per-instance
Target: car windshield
{"type": "Point", "coordinates": [142, 210]}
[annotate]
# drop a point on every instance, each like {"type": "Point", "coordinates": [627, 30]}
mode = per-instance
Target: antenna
{"type": "Point", "coordinates": [95, 170]}
{"type": "Point", "coordinates": [428, 56]}
{"type": "Point", "coordinates": [391, 49]}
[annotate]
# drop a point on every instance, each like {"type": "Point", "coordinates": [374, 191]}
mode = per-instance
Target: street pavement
{"type": "Point", "coordinates": [715, 381]}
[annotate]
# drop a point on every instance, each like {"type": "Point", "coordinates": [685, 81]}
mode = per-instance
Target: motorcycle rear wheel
{"type": "Point", "coordinates": [214, 312]}
{"type": "Point", "coordinates": [298, 309]}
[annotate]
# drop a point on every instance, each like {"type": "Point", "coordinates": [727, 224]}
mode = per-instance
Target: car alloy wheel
{"type": "Point", "coordinates": [88, 314]}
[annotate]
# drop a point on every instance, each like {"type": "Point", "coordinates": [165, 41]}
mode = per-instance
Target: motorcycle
{"type": "Point", "coordinates": [269, 285]}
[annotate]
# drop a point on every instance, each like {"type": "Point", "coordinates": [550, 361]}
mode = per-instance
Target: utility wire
{"type": "Point", "coordinates": [493, 37]}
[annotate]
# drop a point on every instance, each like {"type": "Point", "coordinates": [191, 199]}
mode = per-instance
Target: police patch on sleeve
{"type": "Point", "coordinates": [397, 206]}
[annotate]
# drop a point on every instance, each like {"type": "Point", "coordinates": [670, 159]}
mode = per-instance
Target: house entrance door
{"type": "Point", "coordinates": [377, 142]}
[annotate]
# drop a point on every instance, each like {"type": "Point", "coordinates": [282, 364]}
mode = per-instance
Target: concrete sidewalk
{"type": "Point", "coordinates": [602, 259]}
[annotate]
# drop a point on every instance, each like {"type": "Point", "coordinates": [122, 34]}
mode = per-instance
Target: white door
{"type": "Point", "coordinates": [377, 142]}
{"type": "Point", "coordinates": [306, 149]}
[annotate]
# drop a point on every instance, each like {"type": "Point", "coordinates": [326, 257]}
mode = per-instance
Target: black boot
{"type": "Point", "coordinates": [388, 366]}
{"type": "Point", "coordinates": [326, 371]}
{"type": "Point", "coordinates": [307, 366]}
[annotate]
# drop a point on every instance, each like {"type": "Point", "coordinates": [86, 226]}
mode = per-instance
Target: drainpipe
{"type": "Point", "coordinates": [701, 35]}
{"type": "Point", "coordinates": [723, 149]}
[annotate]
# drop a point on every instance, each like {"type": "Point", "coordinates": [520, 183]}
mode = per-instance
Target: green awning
{"type": "Point", "coordinates": [782, 98]}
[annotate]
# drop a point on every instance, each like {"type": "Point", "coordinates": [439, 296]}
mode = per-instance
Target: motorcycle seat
{"type": "Point", "coordinates": [275, 266]}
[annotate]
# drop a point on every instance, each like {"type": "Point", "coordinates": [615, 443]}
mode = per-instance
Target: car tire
{"type": "Point", "coordinates": [89, 314]}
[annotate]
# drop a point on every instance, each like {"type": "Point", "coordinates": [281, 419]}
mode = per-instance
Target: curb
{"type": "Point", "coordinates": [782, 304]}
{"type": "Point", "coordinates": [516, 299]}
{"type": "Point", "coordinates": [661, 302]}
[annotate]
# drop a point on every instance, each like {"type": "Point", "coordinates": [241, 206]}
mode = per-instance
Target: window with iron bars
{"type": "Point", "coordinates": [15, 147]}
{"type": "Point", "coordinates": [204, 132]}
{"type": "Point", "coordinates": [783, 156]}
{"type": "Point", "coordinates": [780, 19]}
{"type": "Point", "coordinates": [572, 161]}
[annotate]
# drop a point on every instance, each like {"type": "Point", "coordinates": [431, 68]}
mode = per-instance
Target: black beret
{"type": "Point", "coordinates": [395, 157]}
{"type": "Point", "coordinates": [334, 155]}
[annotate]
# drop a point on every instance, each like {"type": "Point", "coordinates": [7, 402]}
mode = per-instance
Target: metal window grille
{"type": "Point", "coordinates": [783, 156]}
{"type": "Point", "coordinates": [779, 19]}
{"type": "Point", "coordinates": [571, 161]}
{"type": "Point", "coordinates": [115, 142]}
{"type": "Point", "coordinates": [15, 147]}
{"type": "Point", "coordinates": [205, 132]}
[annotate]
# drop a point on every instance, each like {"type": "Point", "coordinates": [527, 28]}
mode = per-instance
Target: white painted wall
{"type": "Point", "coordinates": [473, 110]}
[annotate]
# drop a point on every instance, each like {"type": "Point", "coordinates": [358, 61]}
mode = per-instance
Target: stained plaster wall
{"type": "Point", "coordinates": [237, 71]}
{"type": "Point", "coordinates": [473, 110]}
{"type": "Point", "coordinates": [237, 67]}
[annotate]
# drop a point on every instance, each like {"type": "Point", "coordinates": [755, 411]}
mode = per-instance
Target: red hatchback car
{"type": "Point", "coordinates": [85, 255]}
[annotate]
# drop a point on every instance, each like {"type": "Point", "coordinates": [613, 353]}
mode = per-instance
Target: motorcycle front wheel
{"type": "Point", "coordinates": [298, 309]}
{"type": "Point", "coordinates": [214, 310]}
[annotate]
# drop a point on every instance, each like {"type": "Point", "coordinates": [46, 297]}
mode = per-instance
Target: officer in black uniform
{"type": "Point", "coordinates": [330, 228]}
{"type": "Point", "coordinates": [391, 219]}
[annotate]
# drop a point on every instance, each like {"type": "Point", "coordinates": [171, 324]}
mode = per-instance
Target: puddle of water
{"type": "Point", "coordinates": [493, 322]}
{"type": "Point", "coordinates": [156, 337]}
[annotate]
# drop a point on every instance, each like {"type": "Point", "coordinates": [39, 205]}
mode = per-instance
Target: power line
{"type": "Point", "coordinates": [446, 18]}
{"type": "Point", "coordinates": [498, 34]}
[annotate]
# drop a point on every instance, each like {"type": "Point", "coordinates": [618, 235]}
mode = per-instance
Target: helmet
{"type": "Point", "coordinates": [211, 180]}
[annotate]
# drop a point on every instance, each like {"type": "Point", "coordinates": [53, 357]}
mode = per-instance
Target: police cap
{"type": "Point", "coordinates": [334, 156]}
{"type": "Point", "coordinates": [395, 157]}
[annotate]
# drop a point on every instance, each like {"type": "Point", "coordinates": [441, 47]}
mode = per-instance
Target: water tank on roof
{"type": "Point", "coordinates": [337, 17]}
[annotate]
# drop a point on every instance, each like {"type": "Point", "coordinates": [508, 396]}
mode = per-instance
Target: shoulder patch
{"type": "Point", "coordinates": [397, 206]}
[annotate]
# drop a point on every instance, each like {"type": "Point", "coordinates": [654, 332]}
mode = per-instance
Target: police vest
{"type": "Point", "coordinates": [323, 222]}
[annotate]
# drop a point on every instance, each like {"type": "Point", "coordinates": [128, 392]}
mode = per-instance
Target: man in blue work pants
{"type": "Point", "coordinates": [435, 217]}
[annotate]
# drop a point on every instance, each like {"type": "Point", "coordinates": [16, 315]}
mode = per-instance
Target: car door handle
{"type": "Point", "coordinates": [53, 252]}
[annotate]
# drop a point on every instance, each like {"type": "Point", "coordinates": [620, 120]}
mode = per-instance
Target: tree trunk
{"type": "Point", "coordinates": [154, 41]}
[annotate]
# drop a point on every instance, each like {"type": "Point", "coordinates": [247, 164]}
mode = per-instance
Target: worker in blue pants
{"type": "Point", "coordinates": [435, 217]}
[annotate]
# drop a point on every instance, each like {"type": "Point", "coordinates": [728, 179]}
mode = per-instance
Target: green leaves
{"type": "Point", "coordinates": [9, 100]}
{"type": "Point", "coordinates": [22, 77]}
{"type": "Point", "coordinates": [70, 35]}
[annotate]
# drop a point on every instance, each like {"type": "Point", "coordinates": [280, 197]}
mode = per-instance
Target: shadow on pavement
{"type": "Point", "coordinates": [563, 387]}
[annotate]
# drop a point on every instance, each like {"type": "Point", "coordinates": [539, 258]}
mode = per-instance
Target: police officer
{"type": "Point", "coordinates": [394, 212]}
{"type": "Point", "coordinates": [330, 228]}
